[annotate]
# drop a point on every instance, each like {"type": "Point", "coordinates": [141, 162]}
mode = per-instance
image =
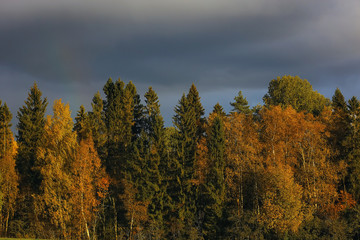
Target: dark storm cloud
{"type": "Point", "coordinates": [222, 46]}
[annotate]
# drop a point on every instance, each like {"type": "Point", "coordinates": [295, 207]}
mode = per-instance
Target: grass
{"type": "Point", "coordinates": [20, 239]}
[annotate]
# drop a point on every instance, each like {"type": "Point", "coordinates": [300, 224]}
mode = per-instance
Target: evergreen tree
{"type": "Point", "coordinates": [185, 122]}
{"type": "Point", "coordinates": [352, 147]}
{"type": "Point", "coordinates": [193, 99]}
{"type": "Point", "coordinates": [82, 124]}
{"type": "Point", "coordinates": [98, 127]}
{"type": "Point", "coordinates": [30, 132]}
{"type": "Point", "coordinates": [240, 105]}
{"type": "Point", "coordinates": [138, 121]}
{"type": "Point", "coordinates": [340, 128]}
{"type": "Point", "coordinates": [119, 116]}
{"type": "Point", "coordinates": [157, 159]}
{"type": "Point", "coordinates": [218, 109]}
{"type": "Point", "coordinates": [212, 195]}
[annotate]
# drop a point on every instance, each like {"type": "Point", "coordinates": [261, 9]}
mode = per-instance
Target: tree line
{"type": "Point", "coordinates": [287, 169]}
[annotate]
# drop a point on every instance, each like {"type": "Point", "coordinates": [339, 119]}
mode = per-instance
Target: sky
{"type": "Point", "coordinates": [70, 48]}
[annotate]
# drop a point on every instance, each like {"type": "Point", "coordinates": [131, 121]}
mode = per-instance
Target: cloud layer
{"type": "Point", "coordinates": [71, 47]}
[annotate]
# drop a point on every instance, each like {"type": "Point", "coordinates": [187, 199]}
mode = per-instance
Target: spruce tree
{"type": "Point", "coordinates": [193, 99]}
{"type": "Point", "coordinates": [218, 109]}
{"type": "Point", "coordinates": [157, 160]}
{"type": "Point", "coordinates": [138, 119]}
{"type": "Point", "coordinates": [82, 124]}
{"type": "Point", "coordinates": [240, 105]}
{"type": "Point", "coordinates": [185, 122]}
{"type": "Point", "coordinates": [352, 148]}
{"type": "Point", "coordinates": [97, 124]}
{"type": "Point", "coordinates": [30, 131]}
{"type": "Point", "coordinates": [212, 190]}
{"type": "Point", "coordinates": [340, 126]}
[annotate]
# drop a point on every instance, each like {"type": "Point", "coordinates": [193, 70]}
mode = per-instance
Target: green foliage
{"type": "Point", "coordinates": [31, 118]}
{"type": "Point", "coordinates": [218, 109]}
{"type": "Point", "coordinates": [267, 173]}
{"type": "Point", "coordinates": [294, 91]}
{"type": "Point", "coordinates": [97, 124]}
{"type": "Point", "coordinates": [213, 194]}
{"type": "Point", "coordinates": [240, 105]}
{"type": "Point", "coordinates": [82, 124]}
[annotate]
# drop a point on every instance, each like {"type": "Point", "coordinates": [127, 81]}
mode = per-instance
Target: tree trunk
{"type": "Point", "coordinates": [115, 218]}
{"type": "Point", "coordinates": [83, 215]}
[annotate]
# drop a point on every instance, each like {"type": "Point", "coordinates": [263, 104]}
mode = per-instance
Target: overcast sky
{"type": "Point", "coordinates": [70, 48]}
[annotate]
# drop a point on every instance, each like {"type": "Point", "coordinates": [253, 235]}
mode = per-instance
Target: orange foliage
{"type": "Point", "coordinates": [8, 185]}
{"type": "Point", "coordinates": [89, 187]}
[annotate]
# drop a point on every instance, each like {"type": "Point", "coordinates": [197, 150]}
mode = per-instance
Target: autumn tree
{"type": "Point", "coordinates": [54, 160]}
{"type": "Point", "coordinates": [89, 188]}
{"type": "Point", "coordinates": [244, 176]}
{"type": "Point", "coordinates": [9, 179]}
{"type": "Point", "coordinates": [300, 141]}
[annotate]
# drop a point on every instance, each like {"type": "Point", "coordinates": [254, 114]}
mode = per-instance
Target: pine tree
{"type": "Point", "coordinates": [340, 128]}
{"type": "Point", "coordinates": [138, 110]}
{"type": "Point", "coordinates": [157, 159]}
{"type": "Point", "coordinates": [31, 118]}
{"type": "Point", "coordinates": [119, 117]}
{"type": "Point", "coordinates": [193, 99]}
{"type": "Point", "coordinates": [218, 109]}
{"type": "Point", "coordinates": [82, 124]}
{"type": "Point", "coordinates": [212, 196]}
{"type": "Point", "coordinates": [240, 105]}
{"type": "Point", "coordinates": [185, 122]}
{"type": "Point", "coordinates": [98, 127]}
{"type": "Point", "coordinates": [352, 147]}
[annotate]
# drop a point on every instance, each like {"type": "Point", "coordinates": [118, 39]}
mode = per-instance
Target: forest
{"type": "Point", "coordinates": [287, 169]}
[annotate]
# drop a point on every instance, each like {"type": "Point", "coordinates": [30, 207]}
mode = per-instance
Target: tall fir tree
{"type": "Point", "coordinates": [352, 147]}
{"type": "Point", "coordinates": [340, 128]}
{"type": "Point", "coordinates": [212, 190]}
{"type": "Point", "coordinates": [218, 109]}
{"type": "Point", "coordinates": [30, 128]}
{"type": "Point", "coordinates": [187, 135]}
{"type": "Point", "coordinates": [98, 127]}
{"type": "Point", "coordinates": [240, 105]}
{"type": "Point", "coordinates": [157, 159]}
{"type": "Point", "coordinates": [82, 124]}
{"type": "Point", "coordinates": [193, 99]}
{"type": "Point", "coordinates": [119, 117]}
{"type": "Point", "coordinates": [138, 119]}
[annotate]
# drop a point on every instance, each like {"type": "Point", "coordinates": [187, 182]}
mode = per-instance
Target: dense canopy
{"type": "Point", "coordinates": [287, 169]}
